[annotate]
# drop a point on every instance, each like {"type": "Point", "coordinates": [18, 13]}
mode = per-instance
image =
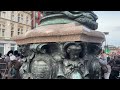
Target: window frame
{"type": "Point", "coordinates": [18, 31]}
{"type": "Point", "coordinates": [27, 20]}
{"type": "Point", "coordinates": [12, 33]}
{"type": "Point", "coordinates": [21, 30]}
{"type": "Point", "coordinates": [12, 46]}
{"type": "Point", "coordinates": [21, 17]}
{"type": "Point", "coordinates": [18, 17]}
{"type": "Point", "coordinates": [12, 15]}
{"type": "Point", "coordinates": [3, 32]}
{"type": "Point", "coordinates": [3, 14]}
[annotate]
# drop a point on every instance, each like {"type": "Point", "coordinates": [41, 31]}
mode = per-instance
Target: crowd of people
{"type": "Point", "coordinates": [110, 65]}
{"type": "Point", "coordinates": [13, 63]}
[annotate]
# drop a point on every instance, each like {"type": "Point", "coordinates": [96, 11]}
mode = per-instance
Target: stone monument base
{"type": "Point", "coordinates": [60, 33]}
{"type": "Point", "coordinates": [60, 51]}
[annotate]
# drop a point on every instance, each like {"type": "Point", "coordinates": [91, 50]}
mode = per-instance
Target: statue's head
{"type": "Point", "coordinates": [24, 49]}
{"type": "Point", "coordinates": [94, 49]}
{"type": "Point", "coordinates": [73, 51]}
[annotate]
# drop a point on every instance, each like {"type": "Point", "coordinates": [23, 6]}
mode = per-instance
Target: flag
{"type": "Point", "coordinates": [107, 50]}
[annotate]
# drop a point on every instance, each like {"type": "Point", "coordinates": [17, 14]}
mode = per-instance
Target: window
{"type": "Point", "coordinates": [4, 14]}
{"type": "Point", "coordinates": [0, 13]}
{"type": "Point", "coordinates": [13, 47]}
{"type": "Point", "coordinates": [28, 28]}
{"type": "Point", "coordinates": [12, 26]}
{"type": "Point", "coordinates": [3, 32]}
{"type": "Point", "coordinates": [18, 17]}
{"type": "Point", "coordinates": [21, 31]}
{"type": "Point", "coordinates": [12, 33]}
{"type": "Point", "coordinates": [12, 29]}
{"type": "Point", "coordinates": [18, 31]}
{"type": "Point", "coordinates": [21, 17]}
{"type": "Point", "coordinates": [0, 31]}
{"type": "Point", "coordinates": [27, 20]}
{"type": "Point", "coordinates": [3, 25]}
{"type": "Point", "coordinates": [2, 48]}
{"type": "Point", "coordinates": [12, 15]}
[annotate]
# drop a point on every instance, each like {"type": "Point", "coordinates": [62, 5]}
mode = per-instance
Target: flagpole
{"type": "Point", "coordinates": [106, 33]}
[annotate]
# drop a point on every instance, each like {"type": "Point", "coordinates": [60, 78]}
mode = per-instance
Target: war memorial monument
{"type": "Point", "coordinates": [64, 46]}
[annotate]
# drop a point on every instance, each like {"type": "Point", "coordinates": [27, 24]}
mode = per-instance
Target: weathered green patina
{"type": "Point", "coordinates": [87, 18]}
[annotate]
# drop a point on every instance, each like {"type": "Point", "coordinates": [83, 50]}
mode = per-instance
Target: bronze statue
{"type": "Point", "coordinates": [73, 64]}
{"type": "Point", "coordinates": [59, 61]}
{"type": "Point", "coordinates": [58, 49]}
{"type": "Point", "coordinates": [87, 18]}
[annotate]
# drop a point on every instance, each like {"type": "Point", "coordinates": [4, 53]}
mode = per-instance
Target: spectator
{"type": "Point", "coordinates": [115, 65]}
{"type": "Point", "coordinates": [0, 56]}
{"type": "Point", "coordinates": [17, 55]}
{"type": "Point", "coordinates": [108, 57]}
{"type": "Point", "coordinates": [0, 75]}
{"type": "Point", "coordinates": [9, 57]}
{"type": "Point", "coordinates": [105, 66]}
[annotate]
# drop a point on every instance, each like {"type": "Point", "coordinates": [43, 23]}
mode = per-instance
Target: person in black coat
{"type": "Point", "coordinates": [115, 64]}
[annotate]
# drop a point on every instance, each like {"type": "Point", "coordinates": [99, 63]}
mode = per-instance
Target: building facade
{"type": "Point", "coordinates": [13, 23]}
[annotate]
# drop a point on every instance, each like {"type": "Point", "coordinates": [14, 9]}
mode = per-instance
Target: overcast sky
{"type": "Point", "coordinates": [109, 21]}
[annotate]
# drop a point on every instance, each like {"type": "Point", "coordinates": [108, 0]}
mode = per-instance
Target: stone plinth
{"type": "Point", "coordinates": [60, 33]}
